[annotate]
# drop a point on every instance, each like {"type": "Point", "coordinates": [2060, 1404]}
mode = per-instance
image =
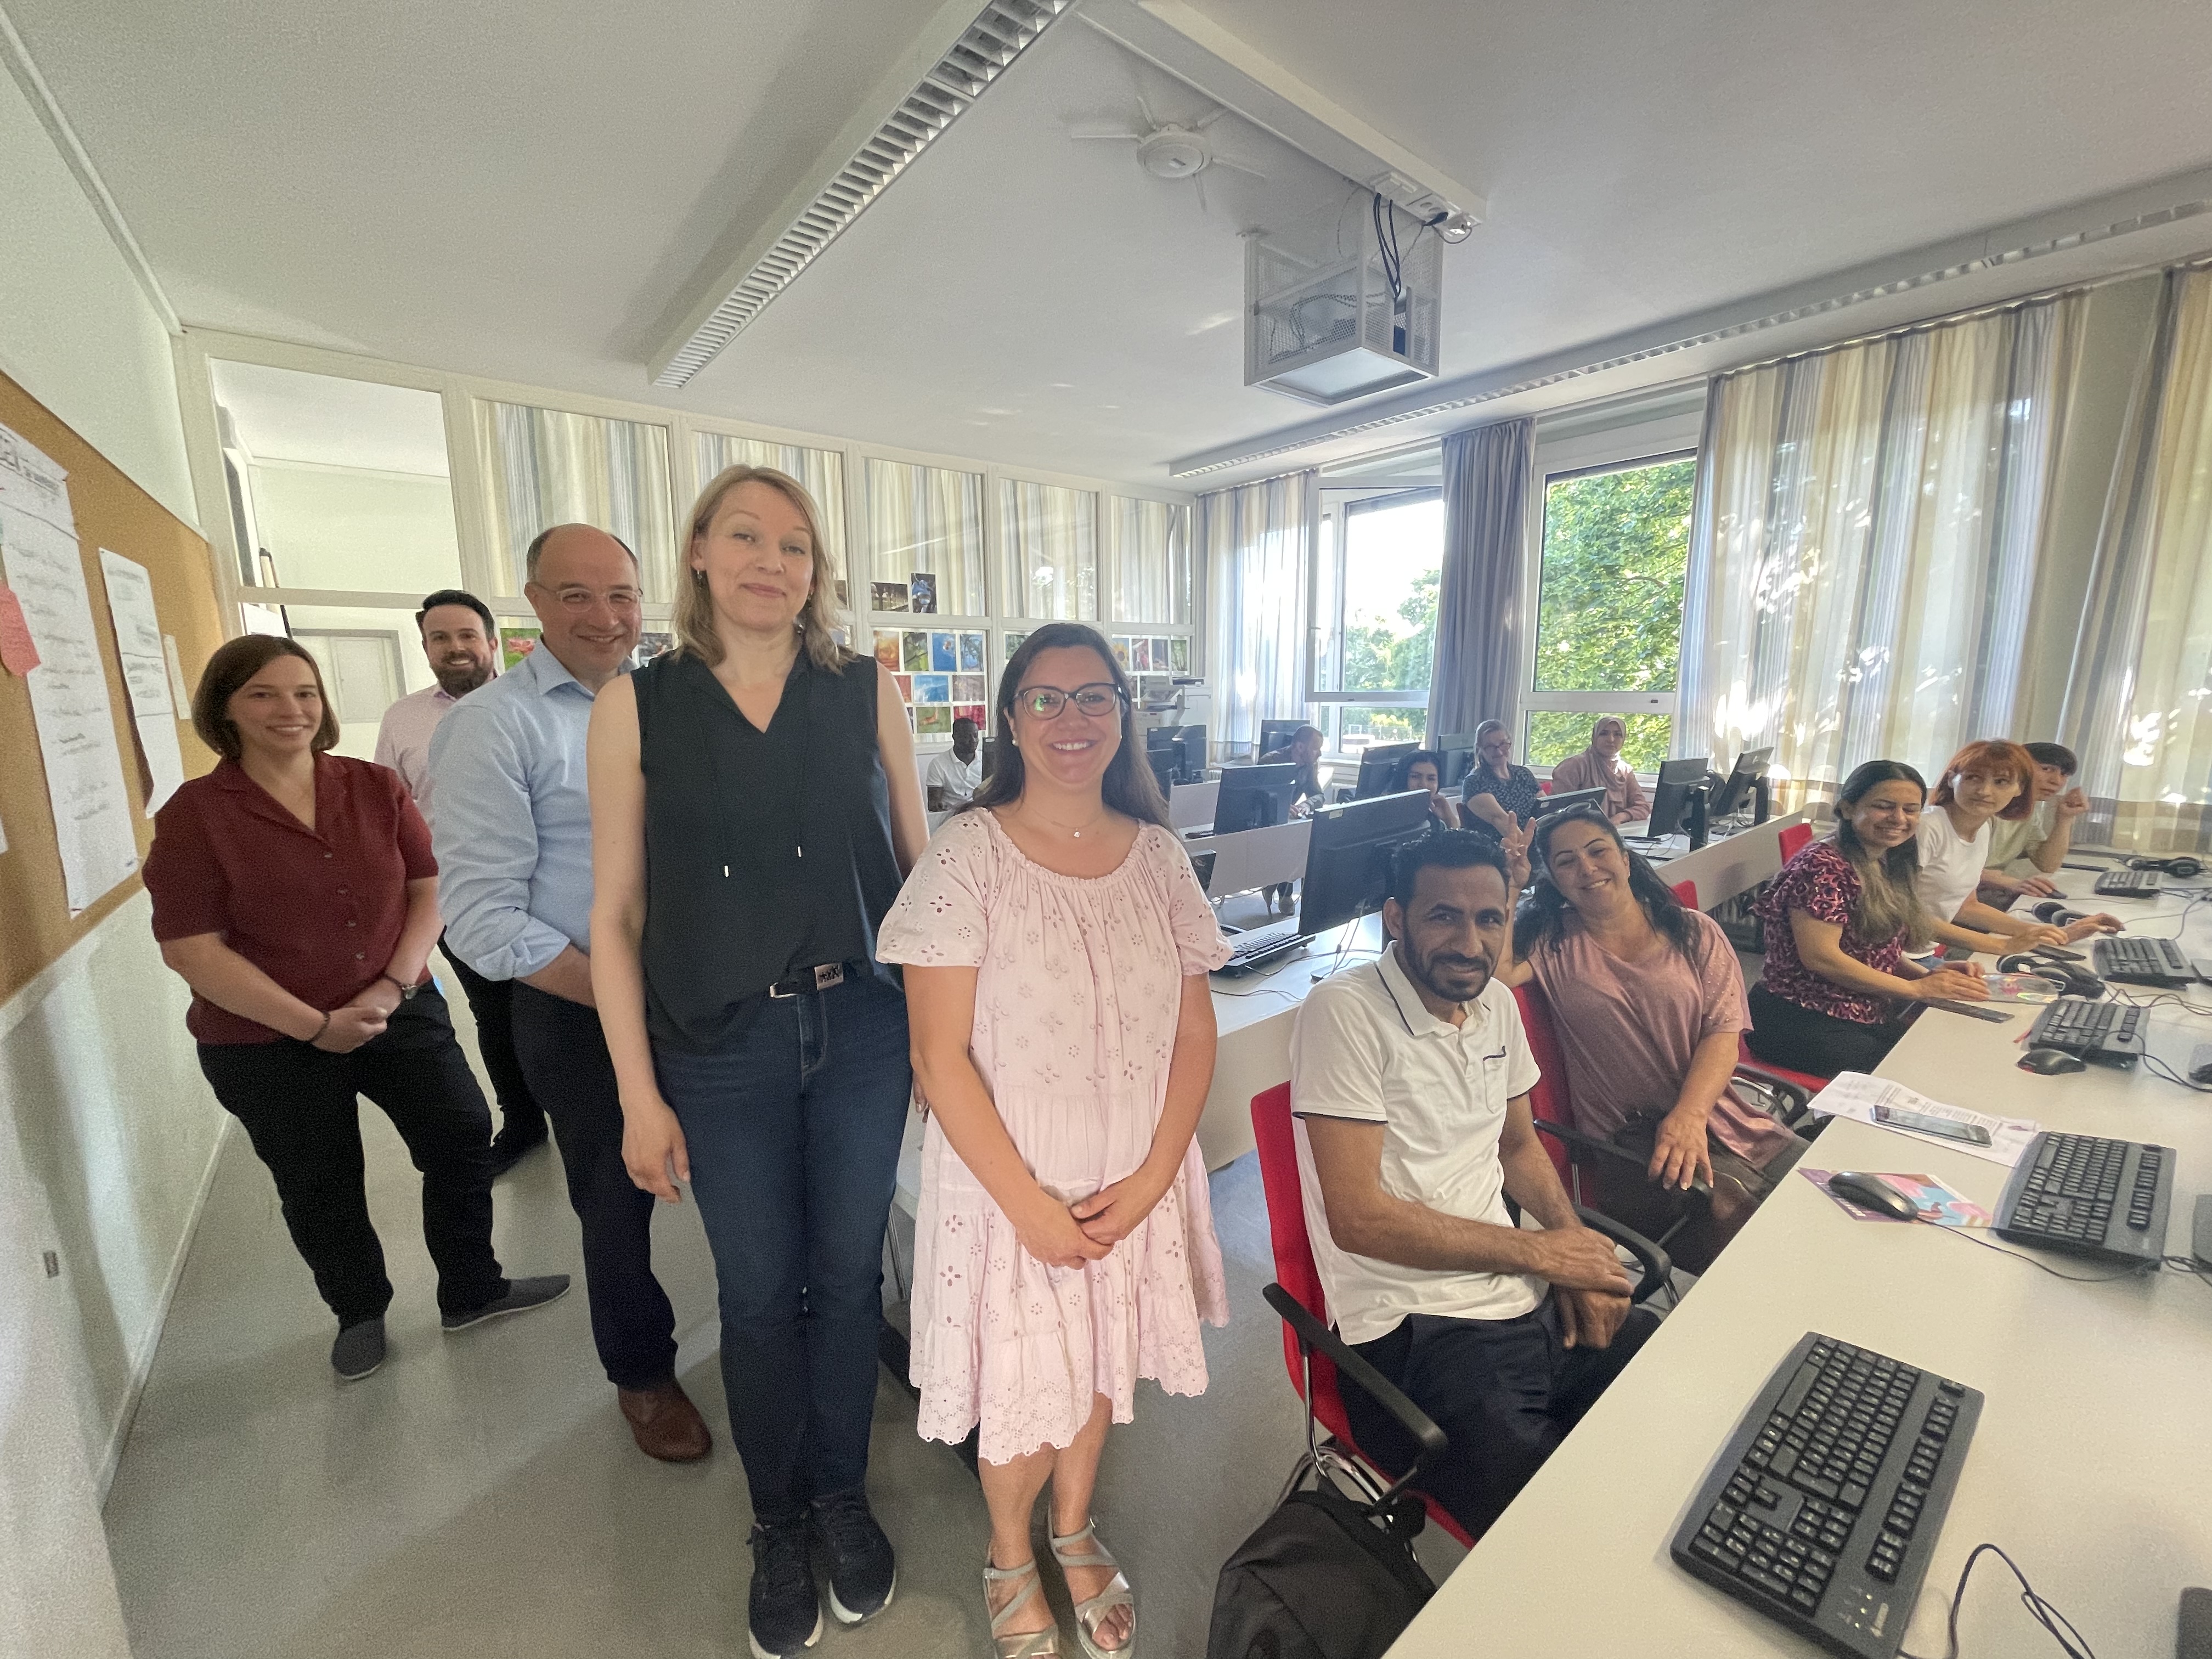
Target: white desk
{"type": "Point", "coordinates": [1725, 865]}
{"type": "Point", "coordinates": [2092, 1466]}
{"type": "Point", "coordinates": [1247, 859]}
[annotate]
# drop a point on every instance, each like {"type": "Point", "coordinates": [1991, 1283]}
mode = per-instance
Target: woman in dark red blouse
{"type": "Point", "coordinates": [1839, 918]}
{"type": "Point", "coordinates": [294, 892]}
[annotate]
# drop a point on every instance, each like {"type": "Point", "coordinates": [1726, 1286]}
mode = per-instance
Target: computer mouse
{"type": "Point", "coordinates": [1871, 1192]}
{"type": "Point", "coordinates": [2051, 1062]}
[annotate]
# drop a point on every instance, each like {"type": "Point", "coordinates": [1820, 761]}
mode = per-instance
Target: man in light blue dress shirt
{"type": "Point", "coordinates": [513, 840]}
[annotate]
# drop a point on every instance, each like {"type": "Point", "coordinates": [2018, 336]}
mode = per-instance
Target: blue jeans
{"type": "Point", "coordinates": [793, 1129]}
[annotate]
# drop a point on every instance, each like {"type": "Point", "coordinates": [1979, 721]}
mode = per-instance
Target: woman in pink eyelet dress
{"type": "Point", "coordinates": [1057, 944]}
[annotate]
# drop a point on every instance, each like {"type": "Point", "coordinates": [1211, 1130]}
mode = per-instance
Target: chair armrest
{"type": "Point", "coordinates": [1577, 1142]}
{"type": "Point", "coordinates": [1794, 1096]}
{"type": "Point", "coordinates": [1657, 1266]}
{"type": "Point", "coordinates": [1315, 1337]}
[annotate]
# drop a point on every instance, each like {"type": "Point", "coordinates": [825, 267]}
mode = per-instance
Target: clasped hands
{"type": "Point", "coordinates": [1062, 1234]}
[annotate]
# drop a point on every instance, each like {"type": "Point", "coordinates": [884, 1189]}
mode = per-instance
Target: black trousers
{"type": "Point", "coordinates": [491, 1003]}
{"type": "Point", "coordinates": [1504, 1392]}
{"type": "Point", "coordinates": [299, 1106]}
{"type": "Point", "coordinates": [564, 1055]}
{"type": "Point", "coordinates": [1805, 1040]}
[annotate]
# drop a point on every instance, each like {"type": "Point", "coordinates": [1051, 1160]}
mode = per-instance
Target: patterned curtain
{"type": "Point", "coordinates": [545, 466]}
{"type": "Point", "coordinates": [1258, 545]}
{"type": "Point", "coordinates": [1864, 545]}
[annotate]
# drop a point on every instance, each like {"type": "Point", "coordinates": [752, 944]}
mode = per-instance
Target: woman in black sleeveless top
{"type": "Point", "coordinates": [755, 808]}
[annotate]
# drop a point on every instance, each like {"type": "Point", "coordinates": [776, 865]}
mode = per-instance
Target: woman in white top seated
{"type": "Point", "coordinates": [1984, 782]}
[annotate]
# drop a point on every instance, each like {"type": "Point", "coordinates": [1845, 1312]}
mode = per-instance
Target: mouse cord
{"type": "Point", "coordinates": [2074, 1278]}
{"type": "Point", "coordinates": [2158, 1067]}
{"type": "Point", "coordinates": [2060, 1628]}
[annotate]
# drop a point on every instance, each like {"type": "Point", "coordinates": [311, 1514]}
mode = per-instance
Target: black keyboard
{"type": "Point", "coordinates": [2142, 961]}
{"type": "Point", "coordinates": [1822, 1512]}
{"type": "Point", "coordinates": [2090, 1196]}
{"type": "Point", "coordinates": [2109, 1033]}
{"type": "Point", "coordinates": [1259, 946]}
{"type": "Point", "coordinates": [2127, 884]}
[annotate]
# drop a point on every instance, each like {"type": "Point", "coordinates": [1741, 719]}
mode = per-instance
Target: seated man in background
{"type": "Point", "coordinates": [2025, 853]}
{"type": "Point", "coordinates": [1600, 767]}
{"type": "Point", "coordinates": [1410, 1080]}
{"type": "Point", "coordinates": [1302, 751]}
{"type": "Point", "coordinates": [957, 774]}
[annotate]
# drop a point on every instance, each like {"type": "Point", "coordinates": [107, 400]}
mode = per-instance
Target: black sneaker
{"type": "Point", "coordinates": [509, 1147]}
{"type": "Point", "coordinates": [359, 1349]}
{"type": "Point", "coordinates": [862, 1571]}
{"type": "Point", "coordinates": [522, 1295]}
{"type": "Point", "coordinates": [783, 1615]}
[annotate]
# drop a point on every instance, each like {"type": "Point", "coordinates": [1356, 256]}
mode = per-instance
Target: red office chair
{"type": "Point", "coordinates": [1794, 840]}
{"type": "Point", "coordinates": [1313, 1352]}
{"type": "Point", "coordinates": [1687, 892]}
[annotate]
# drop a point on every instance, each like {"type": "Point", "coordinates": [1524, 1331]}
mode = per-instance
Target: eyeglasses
{"type": "Point", "coordinates": [1046, 701]}
{"type": "Point", "coordinates": [1587, 812]}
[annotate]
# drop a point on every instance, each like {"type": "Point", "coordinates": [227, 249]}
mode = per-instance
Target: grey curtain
{"type": "Point", "coordinates": [1488, 478]}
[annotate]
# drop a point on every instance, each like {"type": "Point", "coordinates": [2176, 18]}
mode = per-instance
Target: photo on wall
{"type": "Point", "coordinates": [1179, 654]}
{"type": "Point", "coordinates": [1012, 643]}
{"type": "Point", "coordinates": [516, 643]}
{"type": "Point", "coordinates": [888, 596]}
{"type": "Point", "coordinates": [1140, 654]}
{"type": "Point", "coordinates": [905, 683]}
{"type": "Point", "coordinates": [970, 711]}
{"type": "Point", "coordinates": [887, 648]}
{"type": "Point", "coordinates": [921, 592]}
{"type": "Point", "coordinates": [944, 652]}
{"type": "Point", "coordinates": [651, 645]}
{"type": "Point", "coordinates": [932, 720]}
{"type": "Point", "coordinates": [968, 687]}
{"type": "Point", "coordinates": [914, 656]}
{"type": "Point", "coordinates": [932, 688]}
{"type": "Point", "coordinates": [971, 653]}
{"type": "Point", "coordinates": [1121, 649]}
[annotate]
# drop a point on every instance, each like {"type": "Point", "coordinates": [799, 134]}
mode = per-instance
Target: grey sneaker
{"type": "Point", "coordinates": [359, 1349]}
{"type": "Point", "coordinates": [522, 1295]}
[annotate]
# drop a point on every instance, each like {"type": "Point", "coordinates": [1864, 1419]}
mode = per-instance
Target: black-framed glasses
{"type": "Point", "coordinates": [1046, 701]}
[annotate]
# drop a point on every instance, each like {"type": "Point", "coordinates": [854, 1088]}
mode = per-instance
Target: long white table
{"type": "Point", "coordinates": [1254, 1013]}
{"type": "Point", "coordinates": [2092, 1466]}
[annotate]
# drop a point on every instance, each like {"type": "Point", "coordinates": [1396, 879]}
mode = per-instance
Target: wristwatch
{"type": "Point", "coordinates": [406, 992]}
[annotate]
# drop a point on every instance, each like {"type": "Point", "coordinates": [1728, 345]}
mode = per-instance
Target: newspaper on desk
{"type": "Point", "coordinates": [1855, 1095]}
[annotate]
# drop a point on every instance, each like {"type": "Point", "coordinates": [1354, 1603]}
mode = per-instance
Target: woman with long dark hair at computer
{"type": "Point", "coordinates": [1839, 918]}
{"type": "Point", "coordinates": [1648, 1001]}
{"type": "Point", "coordinates": [1424, 769]}
{"type": "Point", "coordinates": [1499, 795]}
{"type": "Point", "coordinates": [1057, 946]}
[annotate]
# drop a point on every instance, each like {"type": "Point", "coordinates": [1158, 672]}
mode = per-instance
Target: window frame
{"type": "Point", "coordinates": [1584, 450]}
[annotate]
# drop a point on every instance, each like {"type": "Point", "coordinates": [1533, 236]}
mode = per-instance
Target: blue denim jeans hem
{"type": "Point", "coordinates": [794, 1131]}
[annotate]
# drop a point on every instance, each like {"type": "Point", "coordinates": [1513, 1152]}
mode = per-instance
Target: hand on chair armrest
{"type": "Point", "coordinates": [1581, 1147]}
{"type": "Point", "coordinates": [1655, 1261]}
{"type": "Point", "coordinates": [1317, 1338]}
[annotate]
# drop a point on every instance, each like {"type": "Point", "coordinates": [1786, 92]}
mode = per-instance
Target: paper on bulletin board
{"type": "Point", "coordinates": [145, 674]}
{"type": "Point", "coordinates": [180, 688]}
{"type": "Point", "coordinates": [41, 560]}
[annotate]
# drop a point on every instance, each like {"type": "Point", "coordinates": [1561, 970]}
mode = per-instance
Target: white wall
{"type": "Point", "coordinates": [106, 1132]}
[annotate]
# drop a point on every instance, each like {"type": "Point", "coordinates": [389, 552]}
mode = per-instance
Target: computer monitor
{"type": "Point", "coordinates": [1457, 749]}
{"type": "Point", "coordinates": [1378, 768]}
{"type": "Point", "coordinates": [1552, 805]}
{"type": "Point", "coordinates": [1742, 781]}
{"type": "Point", "coordinates": [1254, 797]}
{"type": "Point", "coordinates": [1194, 757]}
{"type": "Point", "coordinates": [1678, 780]}
{"type": "Point", "coordinates": [1276, 734]}
{"type": "Point", "coordinates": [1167, 766]}
{"type": "Point", "coordinates": [1348, 859]}
{"type": "Point", "coordinates": [990, 756]}
{"type": "Point", "coordinates": [1201, 866]}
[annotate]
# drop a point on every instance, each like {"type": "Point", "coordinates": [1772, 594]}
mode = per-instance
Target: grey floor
{"type": "Point", "coordinates": [480, 1495]}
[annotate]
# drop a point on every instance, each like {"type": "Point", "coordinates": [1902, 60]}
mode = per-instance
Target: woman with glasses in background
{"type": "Point", "coordinates": [1499, 795]}
{"type": "Point", "coordinates": [1057, 945]}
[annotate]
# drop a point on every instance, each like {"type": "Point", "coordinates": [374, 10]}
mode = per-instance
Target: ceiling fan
{"type": "Point", "coordinates": [1173, 149]}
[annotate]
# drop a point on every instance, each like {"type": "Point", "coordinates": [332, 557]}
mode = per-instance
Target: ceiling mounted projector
{"type": "Point", "coordinates": [1336, 310]}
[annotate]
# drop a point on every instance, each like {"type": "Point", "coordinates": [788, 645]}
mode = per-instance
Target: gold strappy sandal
{"type": "Point", "coordinates": [1090, 1615]}
{"type": "Point", "coordinates": [1022, 1645]}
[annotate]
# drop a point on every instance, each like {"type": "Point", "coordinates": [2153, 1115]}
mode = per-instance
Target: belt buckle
{"type": "Point", "coordinates": [825, 975]}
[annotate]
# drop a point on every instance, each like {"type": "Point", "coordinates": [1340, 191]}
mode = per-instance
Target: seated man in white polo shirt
{"type": "Point", "coordinates": [1410, 1080]}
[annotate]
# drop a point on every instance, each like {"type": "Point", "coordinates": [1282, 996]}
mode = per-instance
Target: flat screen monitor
{"type": "Point", "coordinates": [1194, 757]}
{"type": "Point", "coordinates": [1552, 805]}
{"type": "Point", "coordinates": [1254, 797]}
{"type": "Point", "coordinates": [1274, 735]}
{"type": "Point", "coordinates": [990, 756]}
{"type": "Point", "coordinates": [1736, 795]}
{"type": "Point", "coordinates": [1163, 737]}
{"type": "Point", "coordinates": [1678, 780]}
{"type": "Point", "coordinates": [1378, 768]}
{"type": "Point", "coordinates": [1167, 766]}
{"type": "Point", "coordinates": [1348, 859]}
{"type": "Point", "coordinates": [1457, 749]}
{"type": "Point", "coordinates": [1201, 865]}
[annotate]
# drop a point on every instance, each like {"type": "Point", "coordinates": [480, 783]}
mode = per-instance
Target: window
{"type": "Point", "coordinates": [822, 471]}
{"type": "Point", "coordinates": [1608, 634]}
{"type": "Point", "coordinates": [1050, 537]}
{"type": "Point", "coordinates": [926, 540]}
{"type": "Point", "coordinates": [548, 466]}
{"type": "Point", "coordinates": [1148, 553]}
{"type": "Point", "coordinates": [1380, 560]}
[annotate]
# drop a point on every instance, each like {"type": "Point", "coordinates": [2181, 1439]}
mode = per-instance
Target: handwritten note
{"type": "Point", "coordinates": [138, 642]}
{"type": "Point", "coordinates": [68, 689]}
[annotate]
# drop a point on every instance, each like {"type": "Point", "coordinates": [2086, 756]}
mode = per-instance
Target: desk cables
{"type": "Point", "coordinates": [2055, 1624]}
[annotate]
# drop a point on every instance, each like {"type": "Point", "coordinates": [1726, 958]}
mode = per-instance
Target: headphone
{"type": "Point", "coordinates": [2055, 914]}
{"type": "Point", "coordinates": [2183, 866]}
{"type": "Point", "coordinates": [2076, 982]}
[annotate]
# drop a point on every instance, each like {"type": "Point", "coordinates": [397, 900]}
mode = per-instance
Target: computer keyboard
{"type": "Point", "coordinates": [1258, 946]}
{"type": "Point", "coordinates": [2127, 884]}
{"type": "Point", "coordinates": [2109, 1033]}
{"type": "Point", "coordinates": [2090, 1196]}
{"type": "Point", "coordinates": [1823, 1511]}
{"type": "Point", "coordinates": [2142, 961]}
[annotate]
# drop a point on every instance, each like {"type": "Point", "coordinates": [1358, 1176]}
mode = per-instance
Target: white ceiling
{"type": "Point", "coordinates": [528, 189]}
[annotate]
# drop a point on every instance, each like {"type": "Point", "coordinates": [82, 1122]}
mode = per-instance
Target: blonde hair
{"type": "Point", "coordinates": [695, 602]}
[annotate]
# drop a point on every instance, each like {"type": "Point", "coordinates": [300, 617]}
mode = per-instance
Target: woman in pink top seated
{"type": "Point", "coordinates": [1600, 767]}
{"type": "Point", "coordinates": [1648, 1001]}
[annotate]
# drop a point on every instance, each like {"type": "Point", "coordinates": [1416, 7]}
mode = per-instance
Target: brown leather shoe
{"type": "Point", "coordinates": [664, 1423]}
